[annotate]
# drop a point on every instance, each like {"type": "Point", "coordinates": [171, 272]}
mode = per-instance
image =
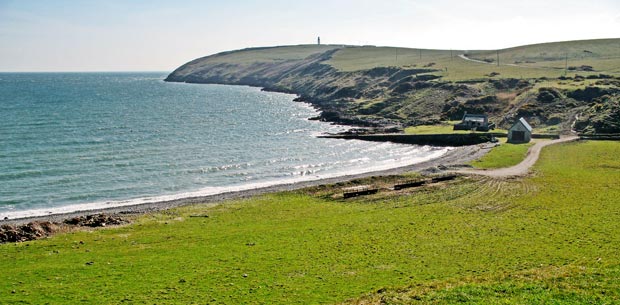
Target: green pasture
{"type": "Point", "coordinates": [532, 61]}
{"type": "Point", "coordinates": [503, 155]}
{"type": "Point", "coordinates": [602, 54]}
{"type": "Point", "coordinates": [271, 54]}
{"type": "Point", "coordinates": [443, 128]}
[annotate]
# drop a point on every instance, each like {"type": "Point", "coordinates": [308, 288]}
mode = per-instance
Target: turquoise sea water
{"type": "Point", "coordinates": [72, 141]}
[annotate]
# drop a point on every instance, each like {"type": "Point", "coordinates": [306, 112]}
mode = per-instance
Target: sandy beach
{"type": "Point", "coordinates": [455, 157]}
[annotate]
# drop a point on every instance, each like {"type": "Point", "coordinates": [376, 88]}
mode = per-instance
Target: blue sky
{"type": "Point", "coordinates": [113, 35]}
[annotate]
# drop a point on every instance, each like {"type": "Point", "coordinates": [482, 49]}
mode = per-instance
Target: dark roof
{"type": "Point", "coordinates": [474, 115]}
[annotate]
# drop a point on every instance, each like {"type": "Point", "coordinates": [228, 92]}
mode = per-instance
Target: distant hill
{"type": "Point", "coordinates": [549, 84]}
{"type": "Point", "coordinates": [543, 59]}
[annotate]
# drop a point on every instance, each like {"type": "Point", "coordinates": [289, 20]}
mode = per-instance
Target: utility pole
{"type": "Point", "coordinates": [498, 58]}
{"type": "Point", "coordinates": [397, 56]}
{"type": "Point", "coordinates": [450, 54]}
{"type": "Point", "coordinates": [420, 53]}
{"type": "Point", "coordinates": [565, 64]}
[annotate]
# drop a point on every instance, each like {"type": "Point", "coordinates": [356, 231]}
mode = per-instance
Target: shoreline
{"type": "Point", "coordinates": [454, 157]}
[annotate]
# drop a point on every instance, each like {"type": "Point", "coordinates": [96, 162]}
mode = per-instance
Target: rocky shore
{"type": "Point", "coordinates": [20, 232]}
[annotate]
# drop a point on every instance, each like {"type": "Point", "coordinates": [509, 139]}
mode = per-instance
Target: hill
{"type": "Point", "coordinates": [549, 84]}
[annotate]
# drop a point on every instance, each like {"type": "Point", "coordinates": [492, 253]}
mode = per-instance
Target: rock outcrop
{"type": "Point", "coordinates": [40, 229]}
{"type": "Point", "coordinates": [603, 117]}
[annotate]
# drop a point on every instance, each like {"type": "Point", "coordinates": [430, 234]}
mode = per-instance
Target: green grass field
{"type": "Point", "coordinates": [451, 68]}
{"type": "Point", "coordinates": [601, 54]}
{"type": "Point", "coordinates": [272, 54]}
{"type": "Point", "coordinates": [445, 127]}
{"type": "Point", "coordinates": [550, 238]}
{"type": "Point", "coordinates": [504, 155]}
{"type": "Point", "coordinates": [532, 61]}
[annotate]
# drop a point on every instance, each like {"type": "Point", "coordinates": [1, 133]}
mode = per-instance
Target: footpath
{"type": "Point", "coordinates": [522, 168]}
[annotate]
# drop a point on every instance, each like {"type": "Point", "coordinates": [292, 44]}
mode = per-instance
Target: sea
{"type": "Point", "coordinates": [81, 141]}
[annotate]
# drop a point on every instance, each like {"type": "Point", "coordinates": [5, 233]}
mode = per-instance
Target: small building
{"type": "Point", "coordinates": [478, 122]}
{"type": "Point", "coordinates": [520, 132]}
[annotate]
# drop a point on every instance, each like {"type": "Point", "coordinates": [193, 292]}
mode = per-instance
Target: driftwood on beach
{"type": "Point", "coordinates": [421, 182]}
{"type": "Point", "coordinates": [361, 190]}
{"type": "Point", "coordinates": [409, 184]}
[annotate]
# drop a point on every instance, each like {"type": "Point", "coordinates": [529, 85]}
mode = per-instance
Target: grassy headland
{"type": "Point", "coordinates": [548, 238]}
{"type": "Point", "coordinates": [549, 84]}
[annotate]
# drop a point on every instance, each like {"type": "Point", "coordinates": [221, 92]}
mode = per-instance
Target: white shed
{"type": "Point", "coordinates": [520, 132]}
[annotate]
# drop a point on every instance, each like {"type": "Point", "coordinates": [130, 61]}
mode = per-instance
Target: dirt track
{"type": "Point", "coordinates": [522, 168]}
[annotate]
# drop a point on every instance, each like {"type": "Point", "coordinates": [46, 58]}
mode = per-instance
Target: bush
{"type": "Point", "coordinates": [548, 95]}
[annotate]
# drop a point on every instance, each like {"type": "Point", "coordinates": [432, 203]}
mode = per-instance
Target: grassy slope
{"type": "Point", "coordinates": [602, 54]}
{"type": "Point", "coordinates": [351, 59]}
{"type": "Point", "coordinates": [272, 54]}
{"type": "Point", "coordinates": [246, 57]}
{"type": "Point", "coordinates": [504, 155]}
{"type": "Point", "coordinates": [445, 127]}
{"type": "Point", "coordinates": [549, 238]}
{"type": "Point", "coordinates": [569, 209]}
{"type": "Point", "coordinates": [548, 59]}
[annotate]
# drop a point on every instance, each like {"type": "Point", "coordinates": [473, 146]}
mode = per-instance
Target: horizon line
{"type": "Point", "coordinates": [92, 71]}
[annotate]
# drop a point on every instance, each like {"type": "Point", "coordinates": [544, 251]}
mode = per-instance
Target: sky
{"type": "Point", "coordinates": [158, 35]}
